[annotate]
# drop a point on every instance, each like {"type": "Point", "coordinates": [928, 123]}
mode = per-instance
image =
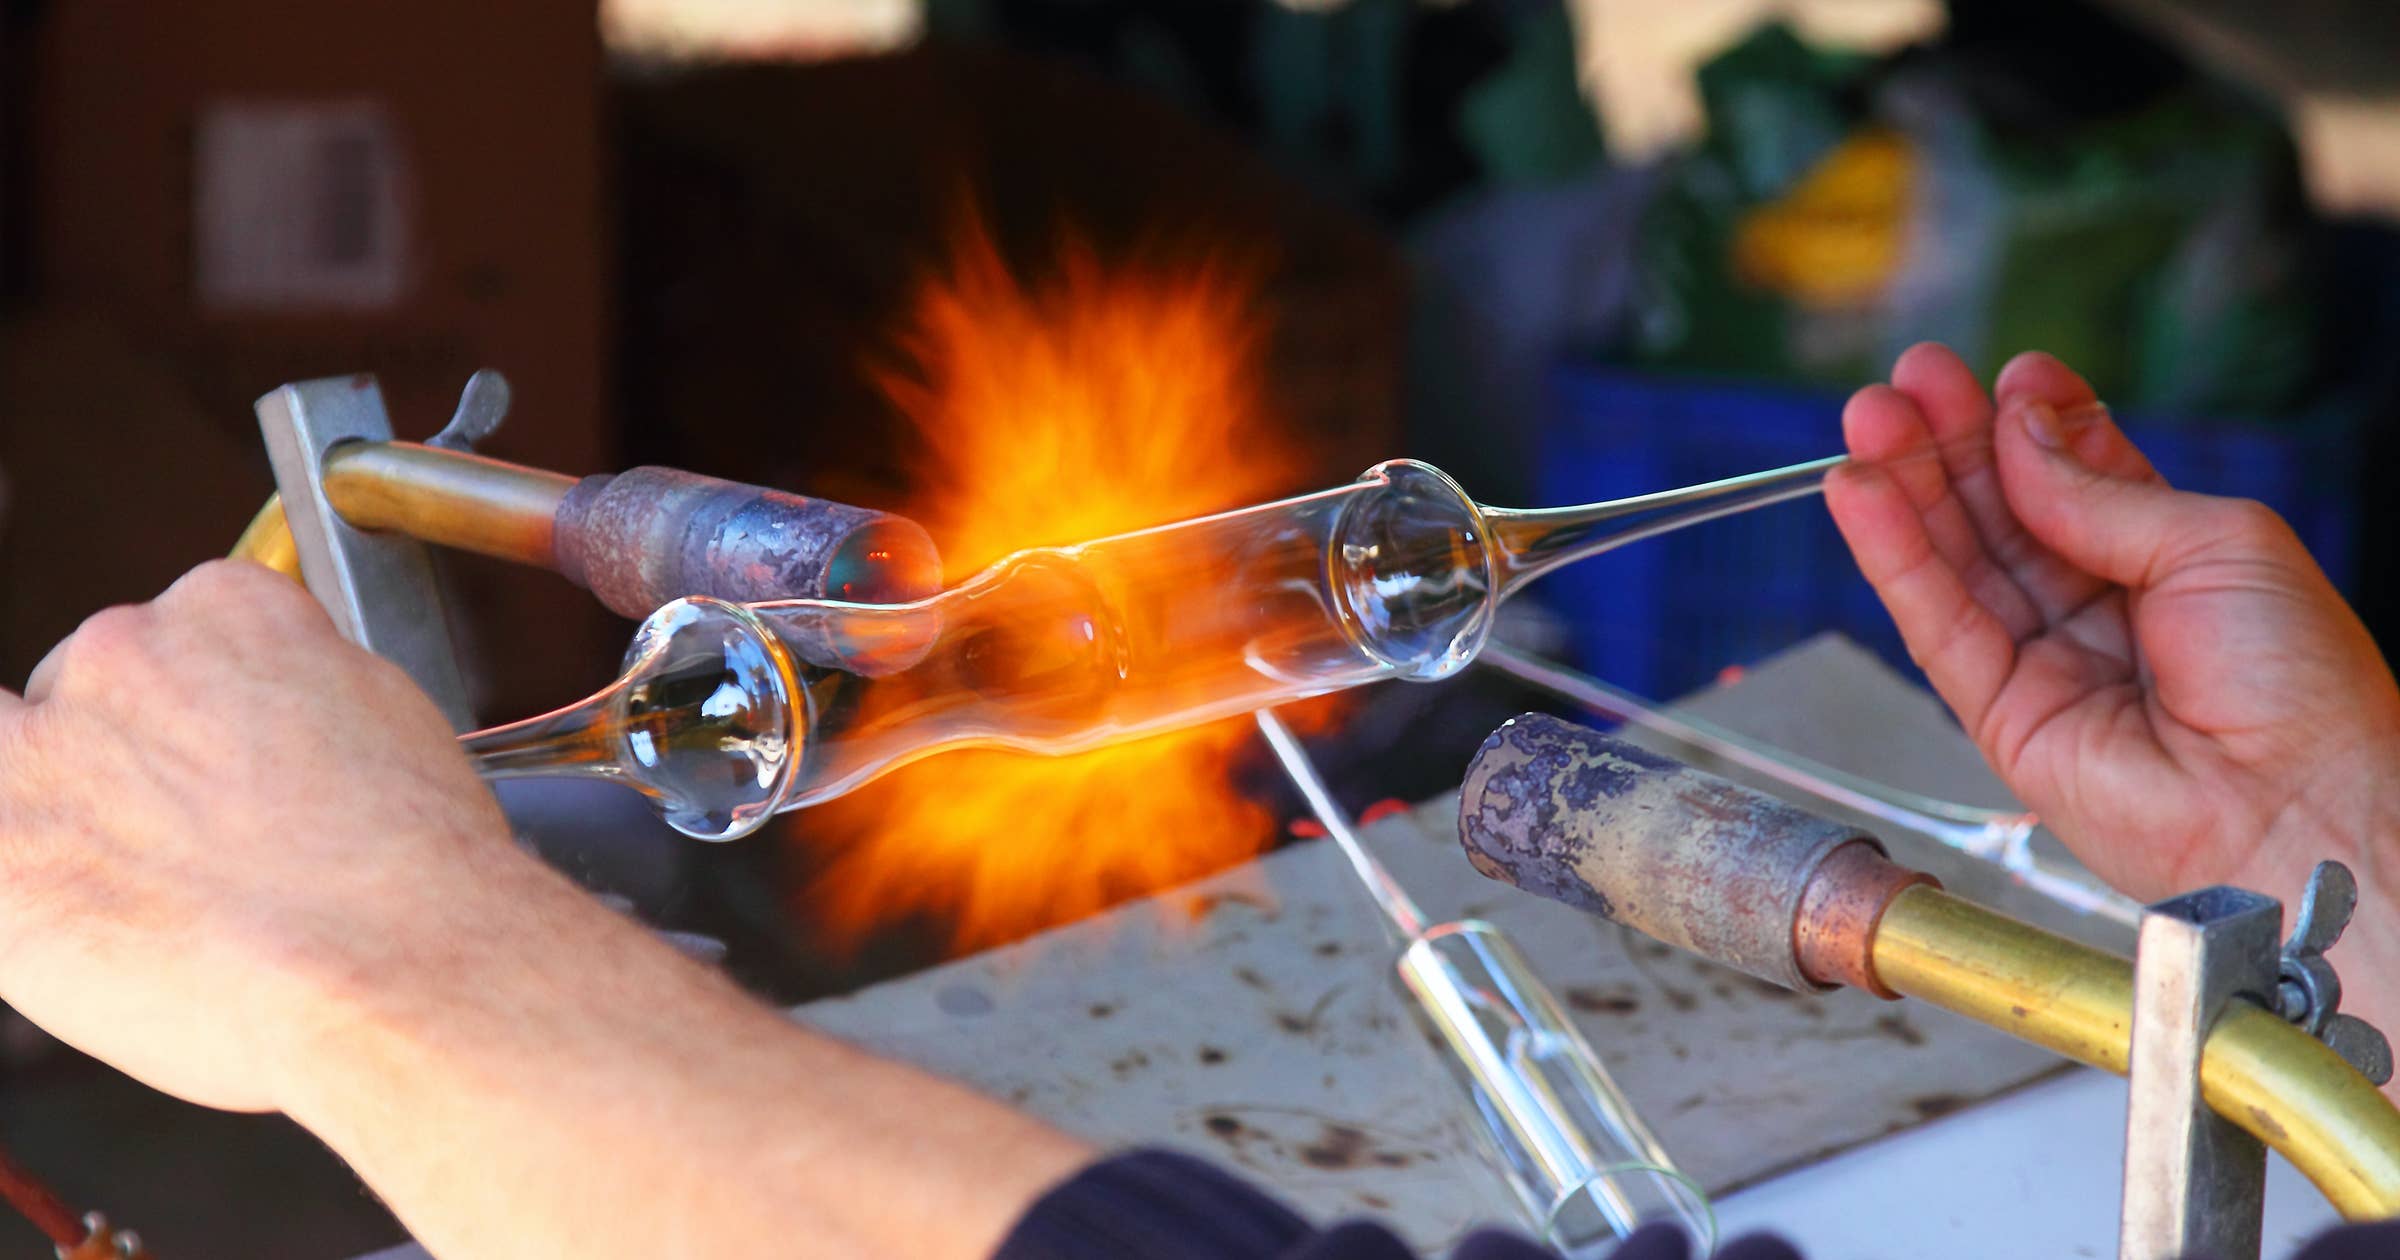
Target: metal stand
{"type": "Point", "coordinates": [2194, 1183]}
{"type": "Point", "coordinates": [379, 588]}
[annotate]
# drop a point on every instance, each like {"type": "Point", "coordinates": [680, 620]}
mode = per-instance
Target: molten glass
{"type": "Point", "coordinates": [727, 714]}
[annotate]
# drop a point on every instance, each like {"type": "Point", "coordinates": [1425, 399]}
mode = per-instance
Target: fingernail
{"type": "Point", "coordinates": [2041, 424]}
{"type": "Point", "coordinates": [2056, 429]}
{"type": "Point", "coordinates": [2076, 419]}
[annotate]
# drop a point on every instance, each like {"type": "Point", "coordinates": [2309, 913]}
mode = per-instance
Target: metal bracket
{"type": "Point", "coordinates": [2195, 1184]}
{"type": "Point", "coordinates": [2310, 993]}
{"type": "Point", "coordinates": [482, 406]}
{"type": "Point", "coordinates": [379, 588]}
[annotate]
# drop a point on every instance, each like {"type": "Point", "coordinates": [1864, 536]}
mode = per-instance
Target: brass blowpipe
{"type": "Point", "coordinates": [635, 539]}
{"type": "Point", "coordinates": [1062, 649]}
{"type": "Point", "coordinates": [1749, 882]}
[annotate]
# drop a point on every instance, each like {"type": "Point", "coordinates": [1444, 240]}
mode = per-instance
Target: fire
{"type": "Point", "coordinates": [1097, 400]}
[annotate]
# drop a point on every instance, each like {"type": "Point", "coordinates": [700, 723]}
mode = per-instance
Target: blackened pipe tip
{"type": "Point", "coordinates": [1619, 831]}
{"type": "Point", "coordinates": [648, 536]}
{"type": "Point", "coordinates": [1508, 814]}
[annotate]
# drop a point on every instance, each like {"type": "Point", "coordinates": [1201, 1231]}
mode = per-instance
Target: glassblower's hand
{"type": "Point", "coordinates": [248, 863]}
{"type": "Point", "coordinates": [211, 808]}
{"type": "Point", "coordinates": [2166, 677]}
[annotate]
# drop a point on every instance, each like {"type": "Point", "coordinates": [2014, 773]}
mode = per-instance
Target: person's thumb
{"type": "Point", "coordinates": [2130, 530]}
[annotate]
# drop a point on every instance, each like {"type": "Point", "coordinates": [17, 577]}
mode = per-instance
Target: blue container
{"type": "Point", "coordinates": [1665, 616]}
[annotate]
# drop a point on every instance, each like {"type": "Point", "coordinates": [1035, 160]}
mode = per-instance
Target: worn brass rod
{"type": "Point", "coordinates": [2283, 1086]}
{"type": "Point", "coordinates": [450, 498]}
{"type": "Point", "coordinates": [267, 540]}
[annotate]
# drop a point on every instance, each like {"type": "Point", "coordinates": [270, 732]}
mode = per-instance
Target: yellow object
{"type": "Point", "coordinates": [2283, 1086]}
{"type": "Point", "coordinates": [268, 540]}
{"type": "Point", "coordinates": [1836, 239]}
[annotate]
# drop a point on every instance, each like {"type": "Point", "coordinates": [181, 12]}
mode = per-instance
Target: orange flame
{"type": "Point", "coordinates": [1101, 400]}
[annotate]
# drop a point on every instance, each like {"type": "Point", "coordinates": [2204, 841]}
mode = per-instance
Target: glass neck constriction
{"type": "Point", "coordinates": [569, 742]}
{"type": "Point", "coordinates": [1534, 541]}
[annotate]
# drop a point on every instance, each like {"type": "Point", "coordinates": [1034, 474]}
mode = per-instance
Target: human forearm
{"type": "Point", "coordinates": [322, 913]}
{"type": "Point", "coordinates": [559, 1075]}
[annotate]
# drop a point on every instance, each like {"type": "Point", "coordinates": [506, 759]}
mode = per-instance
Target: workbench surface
{"type": "Point", "coordinates": [1252, 1018]}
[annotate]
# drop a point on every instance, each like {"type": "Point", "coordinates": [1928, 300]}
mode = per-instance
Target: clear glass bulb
{"type": "Point", "coordinates": [706, 720]}
{"type": "Point", "coordinates": [1062, 649]}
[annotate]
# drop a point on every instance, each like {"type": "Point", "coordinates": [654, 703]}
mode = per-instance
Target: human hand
{"type": "Point", "coordinates": [2166, 677]}
{"type": "Point", "coordinates": [215, 816]}
{"type": "Point", "coordinates": [247, 862]}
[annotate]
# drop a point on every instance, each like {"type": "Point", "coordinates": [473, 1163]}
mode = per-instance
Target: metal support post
{"type": "Point", "coordinates": [379, 588]}
{"type": "Point", "coordinates": [2194, 1184]}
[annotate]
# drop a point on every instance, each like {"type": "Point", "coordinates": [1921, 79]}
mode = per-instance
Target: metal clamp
{"type": "Point", "coordinates": [482, 407]}
{"type": "Point", "coordinates": [2309, 993]}
{"type": "Point", "coordinates": [2194, 1183]}
{"type": "Point", "coordinates": [379, 588]}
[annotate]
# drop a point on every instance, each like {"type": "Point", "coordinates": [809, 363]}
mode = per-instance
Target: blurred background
{"type": "Point", "coordinates": [1038, 270]}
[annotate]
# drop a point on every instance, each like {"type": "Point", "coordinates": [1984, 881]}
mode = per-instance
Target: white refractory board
{"type": "Point", "coordinates": [1252, 1018]}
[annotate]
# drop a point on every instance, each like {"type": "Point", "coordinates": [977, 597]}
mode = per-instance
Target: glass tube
{"type": "Point", "coordinates": [1058, 650]}
{"type": "Point", "coordinates": [1584, 1165]}
{"type": "Point", "coordinates": [1588, 1170]}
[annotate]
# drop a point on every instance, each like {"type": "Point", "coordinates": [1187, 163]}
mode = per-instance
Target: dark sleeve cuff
{"type": "Point", "coordinates": [2357, 1242]}
{"type": "Point", "coordinates": [1158, 1205]}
